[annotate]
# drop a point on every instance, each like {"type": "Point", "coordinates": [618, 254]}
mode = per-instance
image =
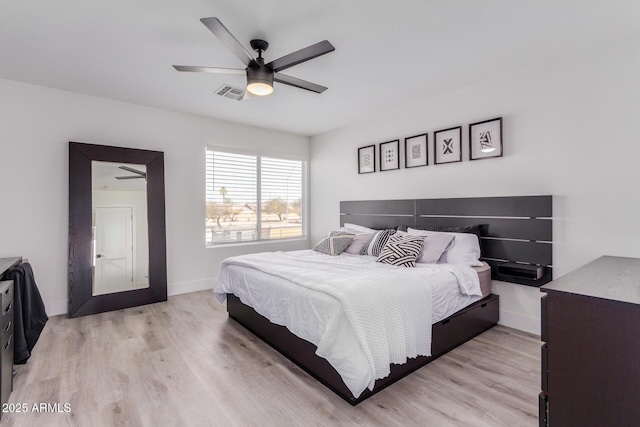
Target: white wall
{"type": "Point", "coordinates": [570, 130]}
{"type": "Point", "coordinates": [36, 125]}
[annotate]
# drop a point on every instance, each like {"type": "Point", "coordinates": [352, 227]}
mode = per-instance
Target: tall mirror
{"type": "Point", "coordinates": [117, 240]}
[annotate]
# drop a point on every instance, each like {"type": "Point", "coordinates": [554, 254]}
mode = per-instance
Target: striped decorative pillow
{"type": "Point", "coordinates": [376, 243]}
{"type": "Point", "coordinates": [334, 244]}
{"type": "Point", "coordinates": [401, 250]}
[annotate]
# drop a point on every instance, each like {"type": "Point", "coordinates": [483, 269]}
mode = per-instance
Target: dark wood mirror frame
{"type": "Point", "coordinates": [81, 299]}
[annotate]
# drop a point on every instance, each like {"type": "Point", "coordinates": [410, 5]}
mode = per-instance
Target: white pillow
{"type": "Point", "coordinates": [359, 228]}
{"type": "Point", "coordinates": [434, 245]}
{"type": "Point", "coordinates": [464, 250]}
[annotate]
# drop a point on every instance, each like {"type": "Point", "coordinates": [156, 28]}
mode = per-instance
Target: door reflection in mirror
{"type": "Point", "coordinates": [119, 227]}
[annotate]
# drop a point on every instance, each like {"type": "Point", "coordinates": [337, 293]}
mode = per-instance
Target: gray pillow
{"type": "Point", "coordinates": [434, 246]}
{"type": "Point", "coordinates": [334, 244]}
{"type": "Point", "coordinates": [359, 240]}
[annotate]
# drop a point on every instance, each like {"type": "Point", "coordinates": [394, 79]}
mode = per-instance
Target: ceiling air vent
{"type": "Point", "coordinates": [231, 92]}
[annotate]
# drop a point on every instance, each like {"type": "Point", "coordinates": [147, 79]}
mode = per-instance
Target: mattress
{"type": "Point", "coordinates": [484, 275]}
{"type": "Point", "coordinates": [320, 319]}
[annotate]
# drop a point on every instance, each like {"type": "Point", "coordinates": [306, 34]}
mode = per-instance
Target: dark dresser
{"type": "Point", "coordinates": [591, 356]}
{"type": "Point", "coordinates": [6, 326]}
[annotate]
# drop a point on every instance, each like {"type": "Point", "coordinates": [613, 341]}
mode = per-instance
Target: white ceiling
{"type": "Point", "coordinates": [103, 177]}
{"type": "Point", "coordinates": [388, 53]}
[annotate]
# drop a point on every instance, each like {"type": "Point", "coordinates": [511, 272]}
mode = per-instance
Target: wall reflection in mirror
{"type": "Point", "coordinates": [120, 250]}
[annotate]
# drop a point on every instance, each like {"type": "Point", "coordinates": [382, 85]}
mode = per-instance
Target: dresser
{"type": "Point", "coordinates": [6, 328]}
{"type": "Point", "coordinates": [591, 355]}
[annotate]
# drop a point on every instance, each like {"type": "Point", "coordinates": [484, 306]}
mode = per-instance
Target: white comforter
{"type": "Point", "coordinates": [369, 315]}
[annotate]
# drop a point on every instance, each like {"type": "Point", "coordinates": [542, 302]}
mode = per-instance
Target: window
{"type": "Point", "coordinates": [252, 198]}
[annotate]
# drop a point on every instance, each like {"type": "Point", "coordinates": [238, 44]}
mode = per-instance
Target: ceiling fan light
{"type": "Point", "coordinates": [259, 88]}
{"type": "Point", "coordinates": [259, 80]}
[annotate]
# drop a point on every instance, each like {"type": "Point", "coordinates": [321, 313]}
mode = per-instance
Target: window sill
{"type": "Point", "coordinates": [255, 242]}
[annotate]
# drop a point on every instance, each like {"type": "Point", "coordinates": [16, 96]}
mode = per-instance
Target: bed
{"type": "Point", "coordinates": [258, 297]}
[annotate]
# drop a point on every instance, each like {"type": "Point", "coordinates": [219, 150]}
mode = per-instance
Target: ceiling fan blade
{"type": "Point", "coordinates": [128, 169]}
{"type": "Point", "coordinates": [225, 36]}
{"type": "Point", "coordinates": [296, 82]}
{"type": "Point", "coordinates": [301, 55]}
{"type": "Point", "coordinates": [130, 177]}
{"type": "Point", "coordinates": [212, 70]}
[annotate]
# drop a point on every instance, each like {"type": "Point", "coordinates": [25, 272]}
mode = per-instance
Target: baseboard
{"type": "Point", "coordinates": [520, 322]}
{"type": "Point", "coordinates": [56, 308]}
{"type": "Point", "coordinates": [190, 286]}
{"type": "Point", "coordinates": [59, 307]}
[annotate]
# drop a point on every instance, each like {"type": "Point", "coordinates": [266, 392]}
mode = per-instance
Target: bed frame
{"type": "Point", "coordinates": [517, 232]}
{"type": "Point", "coordinates": [446, 335]}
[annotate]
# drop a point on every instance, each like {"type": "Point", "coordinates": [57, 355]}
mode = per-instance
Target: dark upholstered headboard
{"type": "Point", "coordinates": [516, 240]}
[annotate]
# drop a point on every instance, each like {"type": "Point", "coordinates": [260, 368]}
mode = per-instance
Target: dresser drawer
{"type": "Point", "coordinates": [543, 319]}
{"type": "Point", "coordinates": [7, 316]}
{"type": "Point", "coordinates": [543, 410]}
{"type": "Point", "coordinates": [545, 369]}
{"type": "Point", "coordinates": [6, 370]}
{"type": "Point", "coordinates": [6, 324]}
{"type": "Point", "coordinates": [6, 287]}
{"type": "Point", "coordinates": [7, 341]}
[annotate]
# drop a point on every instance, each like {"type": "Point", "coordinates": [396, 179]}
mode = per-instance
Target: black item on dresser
{"type": "Point", "coordinates": [30, 315]}
{"type": "Point", "coordinates": [591, 325]}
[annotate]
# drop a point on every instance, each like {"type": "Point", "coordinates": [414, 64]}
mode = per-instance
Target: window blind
{"type": "Point", "coordinates": [251, 198]}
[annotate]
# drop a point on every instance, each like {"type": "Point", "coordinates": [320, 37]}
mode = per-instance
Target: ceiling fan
{"type": "Point", "coordinates": [139, 174]}
{"type": "Point", "coordinates": [260, 76]}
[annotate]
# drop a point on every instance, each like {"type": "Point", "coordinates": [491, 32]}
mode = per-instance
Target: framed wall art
{"type": "Point", "coordinates": [485, 139]}
{"type": "Point", "coordinates": [415, 151]}
{"type": "Point", "coordinates": [390, 155]}
{"type": "Point", "coordinates": [447, 145]}
{"type": "Point", "coordinates": [367, 159]}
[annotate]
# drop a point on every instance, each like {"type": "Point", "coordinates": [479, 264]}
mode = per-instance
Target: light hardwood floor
{"type": "Point", "coordinates": [184, 362]}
